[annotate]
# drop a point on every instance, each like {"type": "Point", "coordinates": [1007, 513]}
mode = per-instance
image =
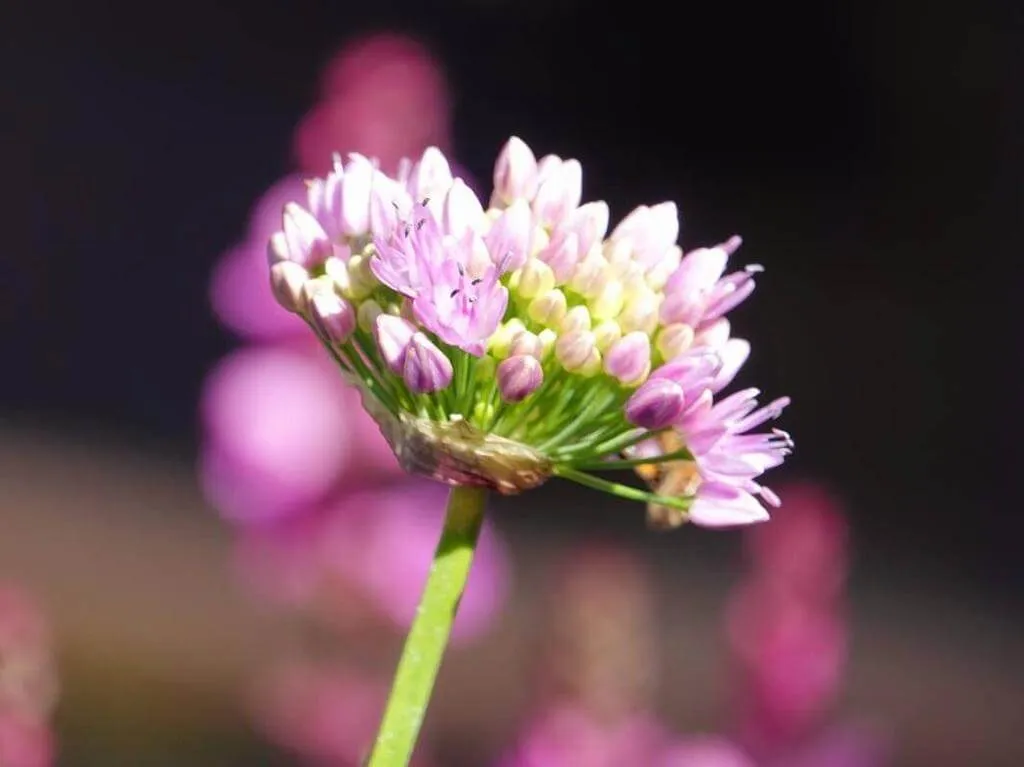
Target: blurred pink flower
{"type": "Point", "coordinates": [703, 751]}
{"type": "Point", "coordinates": [28, 683]}
{"type": "Point", "coordinates": [25, 742]}
{"type": "Point", "coordinates": [792, 657]}
{"type": "Point", "coordinates": [375, 546]}
{"type": "Point", "coordinates": [805, 547]}
{"type": "Point", "coordinates": [384, 96]}
{"type": "Point", "coordinates": [841, 746]}
{"type": "Point", "coordinates": [327, 715]}
{"type": "Point", "coordinates": [282, 431]}
{"type": "Point", "coordinates": [568, 737]}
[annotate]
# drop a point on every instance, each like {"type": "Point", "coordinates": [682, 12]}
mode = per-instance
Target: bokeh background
{"type": "Point", "coordinates": [870, 154]}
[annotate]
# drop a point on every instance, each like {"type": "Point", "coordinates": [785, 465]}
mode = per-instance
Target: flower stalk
{"type": "Point", "coordinates": [425, 645]}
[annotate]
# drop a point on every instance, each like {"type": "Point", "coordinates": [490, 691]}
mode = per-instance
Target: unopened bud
{"type": "Point", "coordinates": [674, 339]}
{"type": "Point", "coordinates": [589, 223]}
{"type": "Point", "coordinates": [332, 315]}
{"type": "Point", "coordinates": [656, 404]}
{"type": "Point", "coordinates": [526, 343]}
{"type": "Point", "coordinates": [640, 313]}
{"type": "Point", "coordinates": [609, 302]}
{"type": "Point", "coordinates": [559, 191]}
{"type": "Point", "coordinates": [518, 377]}
{"type": "Point", "coordinates": [534, 278]}
{"type": "Point", "coordinates": [287, 279]}
{"type": "Point", "coordinates": [576, 349]}
{"type": "Point", "coordinates": [462, 210]}
{"type": "Point", "coordinates": [367, 314]}
{"type": "Point", "coordinates": [547, 342]}
{"type": "Point", "coordinates": [501, 339]}
{"type": "Point", "coordinates": [337, 269]}
{"type": "Point", "coordinates": [509, 237]}
{"type": "Point", "coordinates": [426, 368]}
{"type": "Point", "coordinates": [606, 333]}
{"type": "Point", "coordinates": [577, 318]}
{"type": "Point", "coordinates": [629, 358]}
{"type": "Point", "coordinates": [548, 309]}
{"type": "Point", "coordinates": [393, 335]}
{"type": "Point", "coordinates": [515, 172]}
{"type": "Point", "coordinates": [361, 280]}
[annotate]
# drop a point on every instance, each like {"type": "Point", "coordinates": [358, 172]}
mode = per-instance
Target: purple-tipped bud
{"type": "Point", "coordinates": [426, 368]}
{"type": "Point", "coordinates": [651, 231]}
{"type": "Point", "coordinates": [656, 404]}
{"type": "Point", "coordinates": [526, 343]}
{"type": "Point", "coordinates": [561, 254]}
{"type": "Point", "coordinates": [509, 238]}
{"type": "Point", "coordinates": [355, 196]}
{"type": "Point", "coordinates": [301, 239]}
{"type": "Point", "coordinates": [519, 377]}
{"type": "Point", "coordinates": [462, 210]}
{"type": "Point", "coordinates": [589, 223]}
{"type": "Point", "coordinates": [332, 315]}
{"type": "Point", "coordinates": [629, 358]}
{"type": "Point", "coordinates": [575, 349]}
{"type": "Point", "coordinates": [431, 176]}
{"type": "Point", "coordinates": [559, 192]}
{"type": "Point", "coordinates": [393, 335]}
{"type": "Point", "coordinates": [515, 172]}
{"type": "Point", "coordinates": [287, 279]}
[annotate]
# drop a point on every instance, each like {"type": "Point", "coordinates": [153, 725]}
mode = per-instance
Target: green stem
{"type": "Point", "coordinates": [632, 463]}
{"type": "Point", "coordinates": [622, 491]}
{"type": "Point", "coordinates": [428, 637]}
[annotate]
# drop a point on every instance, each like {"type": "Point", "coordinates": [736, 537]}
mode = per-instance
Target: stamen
{"type": "Point", "coordinates": [477, 281]}
{"type": "Point", "coordinates": [455, 292]}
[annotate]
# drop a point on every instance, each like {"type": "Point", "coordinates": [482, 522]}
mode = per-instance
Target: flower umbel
{"type": "Point", "coordinates": [499, 347]}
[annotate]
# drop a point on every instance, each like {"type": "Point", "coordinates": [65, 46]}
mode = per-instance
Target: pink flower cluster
{"type": "Point", "coordinates": [28, 683]}
{"type": "Point", "coordinates": [786, 629]}
{"type": "Point", "coordinates": [326, 522]}
{"type": "Point", "coordinates": [786, 626]}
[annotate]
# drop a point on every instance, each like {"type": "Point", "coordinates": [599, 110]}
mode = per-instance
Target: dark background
{"type": "Point", "coordinates": [870, 154]}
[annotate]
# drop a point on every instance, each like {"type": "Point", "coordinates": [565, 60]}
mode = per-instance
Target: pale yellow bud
{"type": "Point", "coordinates": [337, 270]}
{"type": "Point", "coordinates": [576, 349]}
{"type": "Point", "coordinates": [606, 333]}
{"type": "Point", "coordinates": [534, 279]}
{"type": "Point", "coordinates": [640, 313]}
{"type": "Point", "coordinates": [547, 339]}
{"type": "Point", "coordinates": [658, 274]}
{"type": "Point", "coordinates": [501, 339]}
{"type": "Point", "coordinates": [590, 276]}
{"type": "Point", "coordinates": [539, 241]}
{"type": "Point", "coordinates": [673, 340]}
{"type": "Point", "coordinates": [361, 280]}
{"type": "Point", "coordinates": [577, 318]}
{"type": "Point", "coordinates": [610, 301]}
{"type": "Point", "coordinates": [618, 251]}
{"type": "Point", "coordinates": [287, 279]}
{"type": "Point", "coordinates": [367, 314]}
{"type": "Point", "coordinates": [549, 308]}
{"type": "Point", "coordinates": [592, 366]}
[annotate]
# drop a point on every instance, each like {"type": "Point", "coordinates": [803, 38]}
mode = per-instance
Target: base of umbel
{"type": "Point", "coordinates": [459, 454]}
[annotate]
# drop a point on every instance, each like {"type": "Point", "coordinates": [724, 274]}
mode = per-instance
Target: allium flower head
{"type": "Point", "coordinates": [500, 346]}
